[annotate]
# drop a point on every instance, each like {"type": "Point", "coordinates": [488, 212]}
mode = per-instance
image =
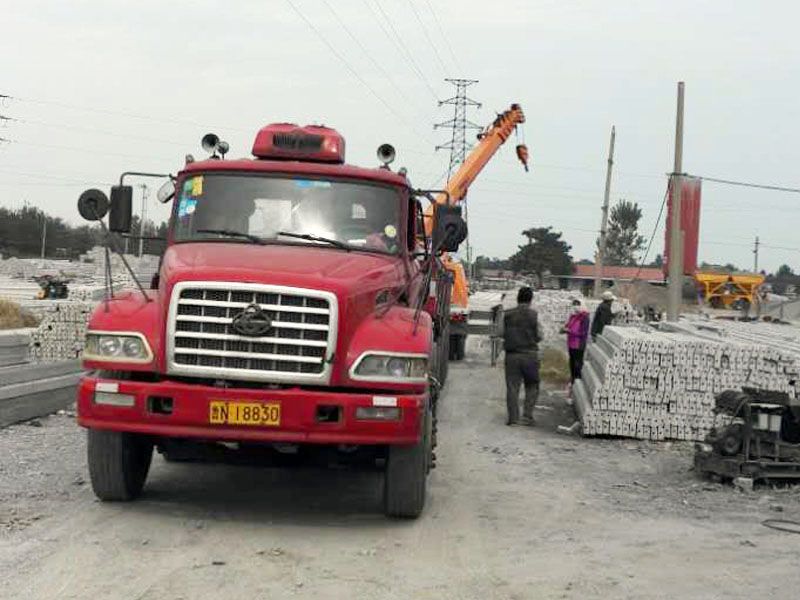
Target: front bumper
{"type": "Point", "coordinates": [299, 424]}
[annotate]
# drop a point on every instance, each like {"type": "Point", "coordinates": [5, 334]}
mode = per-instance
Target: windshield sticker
{"type": "Point", "coordinates": [390, 231]}
{"type": "Point", "coordinates": [197, 186]}
{"type": "Point", "coordinates": [186, 207]}
{"type": "Point", "coordinates": [311, 183]}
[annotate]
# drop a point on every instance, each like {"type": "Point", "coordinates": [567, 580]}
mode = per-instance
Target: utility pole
{"type": "Point", "coordinates": [598, 269]}
{"type": "Point", "coordinates": [44, 233]}
{"type": "Point", "coordinates": [458, 141]}
{"type": "Point", "coordinates": [755, 256]}
{"type": "Point", "coordinates": [144, 216]}
{"type": "Point", "coordinates": [676, 239]}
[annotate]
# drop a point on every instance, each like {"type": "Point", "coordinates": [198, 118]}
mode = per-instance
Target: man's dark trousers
{"type": "Point", "coordinates": [521, 367]}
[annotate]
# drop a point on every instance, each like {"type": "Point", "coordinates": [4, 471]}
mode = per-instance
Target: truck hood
{"type": "Point", "coordinates": [302, 266]}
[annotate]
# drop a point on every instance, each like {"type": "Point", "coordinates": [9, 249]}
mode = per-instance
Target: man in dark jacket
{"type": "Point", "coordinates": [521, 335]}
{"type": "Point", "coordinates": [603, 315]}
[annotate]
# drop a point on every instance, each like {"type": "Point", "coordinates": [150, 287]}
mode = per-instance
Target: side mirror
{"type": "Point", "coordinates": [449, 229]}
{"type": "Point", "coordinates": [166, 192]}
{"type": "Point", "coordinates": [121, 214]}
{"type": "Point", "coordinates": [93, 205]}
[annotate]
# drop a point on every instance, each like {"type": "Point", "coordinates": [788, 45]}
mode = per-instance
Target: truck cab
{"type": "Point", "coordinates": [286, 312]}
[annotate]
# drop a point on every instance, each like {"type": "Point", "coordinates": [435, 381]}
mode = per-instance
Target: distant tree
{"type": "Point", "coordinates": [623, 241]}
{"type": "Point", "coordinates": [544, 252]}
{"type": "Point", "coordinates": [784, 271]}
{"type": "Point", "coordinates": [585, 262]}
{"type": "Point", "coordinates": [728, 268]}
{"type": "Point", "coordinates": [658, 261]}
{"type": "Point", "coordinates": [21, 233]}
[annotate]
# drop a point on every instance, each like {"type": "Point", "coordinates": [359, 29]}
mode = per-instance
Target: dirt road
{"type": "Point", "coordinates": [513, 513]}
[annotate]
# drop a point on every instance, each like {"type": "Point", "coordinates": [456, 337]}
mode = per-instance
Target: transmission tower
{"type": "Point", "coordinates": [458, 145]}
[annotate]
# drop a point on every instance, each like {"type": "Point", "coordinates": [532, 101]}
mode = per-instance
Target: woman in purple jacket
{"type": "Point", "coordinates": [577, 330]}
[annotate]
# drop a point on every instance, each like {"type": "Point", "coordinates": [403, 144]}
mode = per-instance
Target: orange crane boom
{"type": "Point", "coordinates": [489, 142]}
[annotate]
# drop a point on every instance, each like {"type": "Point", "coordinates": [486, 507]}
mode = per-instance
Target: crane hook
{"type": "Point", "coordinates": [522, 155]}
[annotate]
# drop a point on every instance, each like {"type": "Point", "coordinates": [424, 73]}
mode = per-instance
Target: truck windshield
{"type": "Point", "coordinates": [287, 210]}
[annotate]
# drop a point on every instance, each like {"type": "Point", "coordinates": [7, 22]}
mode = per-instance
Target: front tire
{"type": "Point", "coordinates": [407, 468]}
{"type": "Point", "coordinates": [118, 464]}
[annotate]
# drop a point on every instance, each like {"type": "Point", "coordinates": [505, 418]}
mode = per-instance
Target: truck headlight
{"type": "Point", "coordinates": [385, 366]}
{"type": "Point", "coordinates": [117, 347]}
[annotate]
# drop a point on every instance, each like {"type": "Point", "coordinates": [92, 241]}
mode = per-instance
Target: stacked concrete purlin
{"type": "Point", "coordinates": [92, 267]}
{"type": "Point", "coordinates": [61, 331]}
{"type": "Point", "coordinates": [655, 385]}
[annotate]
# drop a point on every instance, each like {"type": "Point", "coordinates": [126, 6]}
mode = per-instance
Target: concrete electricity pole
{"type": "Point", "coordinates": [144, 217]}
{"type": "Point", "coordinates": [598, 269]}
{"type": "Point", "coordinates": [676, 239]}
{"type": "Point", "coordinates": [44, 233]}
{"type": "Point", "coordinates": [755, 256]}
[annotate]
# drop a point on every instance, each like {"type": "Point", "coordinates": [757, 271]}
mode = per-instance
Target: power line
{"type": "Point", "coordinates": [368, 54]}
{"type": "Point", "coordinates": [75, 149]}
{"type": "Point", "coordinates": [428, 37]}
{"type": "Point", "coordinates": [53, 184]}
{"type": "Point", "coordinates": [397, 40]}
{"type": "Point", "coordinates": [91, 130]}
{"type": "Point", "coordinates": [349, 67]}
{"type": "Point", "coordinates": [47, 176]}
{"type": "Point", "coordinates": [733, 244]}
{"type": "Point", "coordinates": [453, 55]}
{"type": "Point", "coordinates": [116, 112]}
{"type": "Point", "coordinates": [652, 235]}
{"type": "Point", "coordinates": [761, 186]}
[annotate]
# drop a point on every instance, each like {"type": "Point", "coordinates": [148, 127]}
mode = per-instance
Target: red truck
{"type": "Point", "coordinates": [293, 307]}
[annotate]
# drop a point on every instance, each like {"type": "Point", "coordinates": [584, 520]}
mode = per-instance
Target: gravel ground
{"type": "Point", "coordinates": [512, 513]}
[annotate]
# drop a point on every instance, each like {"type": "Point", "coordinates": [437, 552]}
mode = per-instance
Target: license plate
{"type": "Point", "coordinates": [244, 413]}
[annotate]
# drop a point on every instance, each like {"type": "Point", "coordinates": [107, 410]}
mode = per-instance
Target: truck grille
{"type": "Point", "coordinates": [295, 348]}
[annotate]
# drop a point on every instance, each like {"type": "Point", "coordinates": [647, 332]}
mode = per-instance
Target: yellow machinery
{"type": "Point", "coordinates": [489, 141]}
{"type": "Point", "coordinates": [729, 290]}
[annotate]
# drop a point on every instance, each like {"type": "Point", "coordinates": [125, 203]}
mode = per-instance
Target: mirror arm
{"type": "Point", "coordinates": [110, 242]}
{"type": "Point", "coordinates": [141, 174]}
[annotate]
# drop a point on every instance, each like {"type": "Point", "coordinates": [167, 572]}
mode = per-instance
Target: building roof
{"type": "Point", "coordinates": [625, 273]}
{"type": "Point", "coordinates": [496, 273]}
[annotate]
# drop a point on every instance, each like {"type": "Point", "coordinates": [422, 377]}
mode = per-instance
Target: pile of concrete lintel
{"type": "Point", "coordinates": [660, 383]}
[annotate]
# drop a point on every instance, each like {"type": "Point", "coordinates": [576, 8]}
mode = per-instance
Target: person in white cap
{"type": "Point", "coordinates": [603, 315]}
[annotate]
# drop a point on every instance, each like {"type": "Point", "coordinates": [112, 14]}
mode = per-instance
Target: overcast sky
{"type": "Point", "coordinates": [103, 87]}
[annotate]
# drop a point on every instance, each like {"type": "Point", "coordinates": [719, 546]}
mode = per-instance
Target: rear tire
{"type": "Point", "coordinates": [118, 464]}
{"type": "Point", "coordinates": [407, 468]}
{"type": "Point", "coordinates": [458, 345]}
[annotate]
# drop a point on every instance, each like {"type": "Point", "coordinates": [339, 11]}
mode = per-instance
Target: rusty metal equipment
{"type": "Point", "coordinates": [756, 435]}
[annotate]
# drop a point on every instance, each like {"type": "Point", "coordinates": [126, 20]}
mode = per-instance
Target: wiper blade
{"type": "Point", "coordinates": [315, 238]}
{"type": "Point", "coordinates": [231, 233]}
